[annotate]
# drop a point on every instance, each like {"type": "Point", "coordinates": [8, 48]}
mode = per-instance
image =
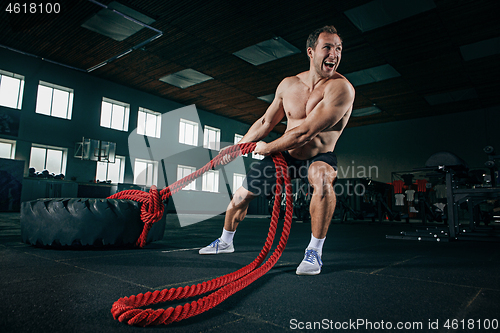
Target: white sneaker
{"type": "Point", "coordinates": [217, 246]}
{"type": "Point", "coordinates": [311, 265]}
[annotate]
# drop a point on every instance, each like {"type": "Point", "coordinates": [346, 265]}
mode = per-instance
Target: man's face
{"type": "Point", "coordinates": [326, 56]}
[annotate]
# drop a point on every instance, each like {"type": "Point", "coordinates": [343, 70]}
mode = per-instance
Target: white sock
{"type": "Point", "coordinates": [227, 236]}
{"type": "Point", "coordinates": [317, 244]}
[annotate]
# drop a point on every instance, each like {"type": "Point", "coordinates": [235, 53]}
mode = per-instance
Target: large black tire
{"type": "Point", "coordinates": [83, 222]}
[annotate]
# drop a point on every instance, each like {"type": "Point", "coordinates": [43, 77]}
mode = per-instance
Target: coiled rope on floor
{"type": "Point", "coordinates": [127, 310]}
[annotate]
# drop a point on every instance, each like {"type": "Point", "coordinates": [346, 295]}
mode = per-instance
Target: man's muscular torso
{"type": "Point", "coordinates": [298, 101]}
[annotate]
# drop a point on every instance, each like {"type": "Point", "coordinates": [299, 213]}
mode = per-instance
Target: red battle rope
{"type": "Point", "coordinates": [127, 310]}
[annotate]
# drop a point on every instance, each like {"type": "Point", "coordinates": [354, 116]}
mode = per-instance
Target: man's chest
{"type": "Point", "coordinates": [299, 102]}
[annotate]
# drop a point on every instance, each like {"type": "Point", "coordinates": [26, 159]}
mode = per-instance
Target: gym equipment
{"type": "Point", "coordinates": [370, 203]}
{"type": "Point", "coordinates": [380, 193]}
{"type": "Point", "coordinates": [492, 165]}
{"type": "Point", "coordinates": [302, 200]}
{"type": "Point", "coordinates": [127, 310]}
{"type": "Point", "coordinates": [457, 177]}
{"type": "Point", "coordinates": [84, 222]}
{"type": "Point", "coordinates": [418, 195]}
{"type": "Point", "coordinates": [427, 211]}
{"type": "Point", "coordinates": [352, 201]}
{"type": "Point", "coordinates": [282, 205]}
{"type": "Point", "coordinates": [344, 210]}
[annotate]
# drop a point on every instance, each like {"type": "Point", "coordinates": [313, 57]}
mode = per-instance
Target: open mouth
{"type": "Point", "coordinates": [329, 65]}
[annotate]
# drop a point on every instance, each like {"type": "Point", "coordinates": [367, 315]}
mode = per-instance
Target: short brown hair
{"type": "Point", "coordinates": [312, 40]}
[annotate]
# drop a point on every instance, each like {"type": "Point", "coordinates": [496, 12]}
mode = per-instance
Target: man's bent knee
{"type": "Point", "coordinates": [242, 196]}
{"type": "Point", "coordinates": [321, 176]}
{"type": "Point", "coordinates": [238, 206]}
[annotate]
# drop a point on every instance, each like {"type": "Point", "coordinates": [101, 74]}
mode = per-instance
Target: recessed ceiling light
{"type": "Point", "coordinates": [267, 98]}
{"type": "Point", "coordinates": [481, 49]}
{"type": "Point", "coordinates": [379, 13]}
{"type": "Point", "coordinates": [370, 75]}
{"type": "Point", "coordinates": [451, 96]}
{"type": "Point", "coordinates": [185, 78]}
{"type": "Point", "coordinates": [267, 51]}
{"type": "Point", "coordinates": [365, 111]}
{"type": "Point", "coordinates": [113, 25]}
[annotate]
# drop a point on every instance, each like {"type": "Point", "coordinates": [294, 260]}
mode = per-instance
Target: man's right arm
{"type": "Point", "coordinates": [265, 124]}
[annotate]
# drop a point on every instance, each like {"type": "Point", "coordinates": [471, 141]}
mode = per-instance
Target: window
{"type": "Point", "coordinates": [149, 123]}
{"type": "Point", "coordinates": [210, 181]}
{"type": "Point", "coordinates": [257, 156]}
{"type": "Point", "coordinates": [237, 138]}
{"type": "Point", "coordinates": [183, 171]}
{"type": "Point", "coordinates": [238, 179]}
{"type": "Point", "coordinates": [145, 172]}
{"type": "Point", "coordinates": [114, 114]}
{"type": "Point", "coordinates": [188, 132]}
{"type": "Point", "coordinates": [7, 148]}
{"type": "Point", "coordinates": [11, 89]}
{"type": "Point", "coordinates": [111, 171]}
{"type": "Point", "coordinates": [211, 138]}
{"type": "Point", "coordinates": [53, 100]}
{"type": "Point", "coordinates": [52, 159]}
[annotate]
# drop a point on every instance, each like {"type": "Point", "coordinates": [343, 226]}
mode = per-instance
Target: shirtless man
{"type": "Point", "coordinates": [317, 104]}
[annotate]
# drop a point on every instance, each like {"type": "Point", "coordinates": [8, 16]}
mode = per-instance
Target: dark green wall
{"type": "Point", "coordinates": [388, 147]}
{"type": "Point", "coordinates": [406, 145]}
{"type": "Point", "coordinates": [85, 122]}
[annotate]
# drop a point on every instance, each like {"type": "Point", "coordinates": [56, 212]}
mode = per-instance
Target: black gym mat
{"type": "Point", "coordinates": [368, 282]}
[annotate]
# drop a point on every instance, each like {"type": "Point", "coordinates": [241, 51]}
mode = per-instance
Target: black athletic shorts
{"type": "Point", "coordinates": [261, 178]}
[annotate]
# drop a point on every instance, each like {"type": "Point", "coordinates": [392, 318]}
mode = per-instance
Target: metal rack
{"type": "Point", "coordinates": [453, 169]}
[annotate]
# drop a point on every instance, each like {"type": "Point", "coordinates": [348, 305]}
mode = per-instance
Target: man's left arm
{"type": "Point", "coordinates": [338, 99]}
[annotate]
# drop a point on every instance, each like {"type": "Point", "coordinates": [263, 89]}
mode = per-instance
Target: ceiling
{"type": "Point", "coordinates": [203, 35]}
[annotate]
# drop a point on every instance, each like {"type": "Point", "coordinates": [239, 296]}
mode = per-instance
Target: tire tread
{"type": "Point", "coordinates": [84, 222]}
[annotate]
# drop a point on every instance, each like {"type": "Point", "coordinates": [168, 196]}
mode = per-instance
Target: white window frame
{"type": "Point", "coordinates": [237, 139]}
{"type": "Point", "coordinates": [151, 177]}
{"type": "Point", "coordinates": [12, 145]}
{"type": "Point", "coordinates": [213, 176]}
{"type": "Point", "coordinates": [211, 138]}
{"type": "Point", "coordinates": [108, 115]}
{"type": "Point", "coordinates": [105, 166]}
{"type": "Point", "coordinates": [20, 90]}
{"type": "Point", "coordinates": [183, 171]}
{"type": "Point", "coordinates": [238, 179]}
{"type": "Point", "coordinates": [257, 156]}
{"type": "Point", "coordinates": [54, 101]}
{"type": "Point", "coordinates": [64, 157]}
{"type": "Point", "coordinates": [186, 136]}
{"type": "Point", "coordinates": [151, 172]}
{"type": "Point", "coordinates": [149, 123]}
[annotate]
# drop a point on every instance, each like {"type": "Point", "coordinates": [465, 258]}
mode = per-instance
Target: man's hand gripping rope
{"type": "Point", "coordinates": [127, 310]}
